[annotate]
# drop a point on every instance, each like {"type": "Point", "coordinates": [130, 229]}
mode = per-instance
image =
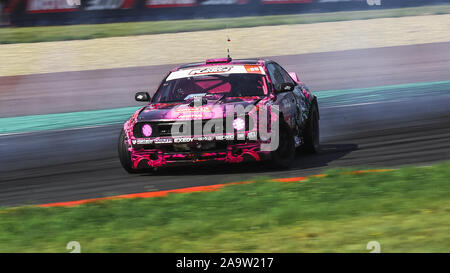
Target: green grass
{"type": "Point", "coordinates": [81, 32]}
{"type": "Point", "coordinates": [406, 210]}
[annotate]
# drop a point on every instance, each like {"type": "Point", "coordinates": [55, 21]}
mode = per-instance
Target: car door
{"type": "Point", "coordinates": [298, 99]}
{"type": "Point", "coordinates": [285, 100]}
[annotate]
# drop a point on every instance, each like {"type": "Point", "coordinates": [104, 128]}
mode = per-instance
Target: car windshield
{"type": "Point", "coordinates": [228, 85]}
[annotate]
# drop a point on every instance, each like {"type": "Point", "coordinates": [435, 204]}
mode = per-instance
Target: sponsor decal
{"type": "Point", "coordinates": [286, 1]}
{"type": "Point", "coordinates": [183, 139]}
{"type": "Point", "coordinates": [195, 116]}
{"type": "Point", "coordinates": [210, 69]}
{"type": "Point", "coordinates": [170, 3]}
{"type": "Point", "coordinates": [108, 4]}
{"type": "Point", "coordinates": [225, 137]}
{"type": "Point", "coordinates": [252, 135]}
{"type": "Point", "coordinates": [223, 2]}
{"type": "Point", "coordinates": [202, 109]}
{"type": "Point", "coordinates": [74, 2]}
{"type": "Point", "coordinates": [46, 6]}
{"type": "Point", "coordinates": [373, 2]}
{"type": "Point", "coordinates": [143, 141]}
{"type": "Point", "coordinates": [163, 140]}
{"type": "Point", "coordinates": [214, 69]}
{"type": "Point", "coordinates": [197, 112]}
{"type": "Point", "coordinates": [204, 138]}
{"type": "Point", "coordinates": [194, 95]}
{"type": "Point", "coordinates": [253, 69]}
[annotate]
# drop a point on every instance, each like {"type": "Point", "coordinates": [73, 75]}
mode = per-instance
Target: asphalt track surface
{"type": "Point", "coordinates": [66, 165]}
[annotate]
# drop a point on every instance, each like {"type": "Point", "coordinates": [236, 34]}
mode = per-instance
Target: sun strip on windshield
{"type": "Point", "coordinates": [216, 69]}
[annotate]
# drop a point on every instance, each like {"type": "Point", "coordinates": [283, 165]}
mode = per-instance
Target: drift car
{"type": "Point", "coordinates": [222, 110]}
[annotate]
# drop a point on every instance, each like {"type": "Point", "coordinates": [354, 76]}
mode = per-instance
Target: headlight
{"type": "Point", "coordinates": [239, 124]}
{"type": "Point", "coordinates": [147, 130]}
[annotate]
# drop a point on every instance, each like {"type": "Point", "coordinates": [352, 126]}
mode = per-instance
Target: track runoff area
{"type": "Point", "coordinates": [374, 114]}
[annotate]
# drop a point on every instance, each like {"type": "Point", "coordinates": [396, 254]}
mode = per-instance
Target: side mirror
{"type": "Point", "coordinates": [142, 96]}
{"type": "Point", "coordinates": [294, 76]}
{"type": "Point", "coordinates": [285, 87]}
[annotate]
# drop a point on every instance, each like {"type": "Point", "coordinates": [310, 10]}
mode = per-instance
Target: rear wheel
{"type": "Point", "coordinates": [124, 154]}
{"type": "Point", "coordinates": [312, 134]}
{"type": "Point", "coordinates": [284, 155]}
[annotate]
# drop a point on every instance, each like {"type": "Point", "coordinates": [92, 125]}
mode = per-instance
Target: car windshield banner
{"type": "Point", "coordinates": [210, 70]}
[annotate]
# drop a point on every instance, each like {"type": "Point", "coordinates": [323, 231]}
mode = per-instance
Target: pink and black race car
{"type": "Point", "coordinates": [222, 110]}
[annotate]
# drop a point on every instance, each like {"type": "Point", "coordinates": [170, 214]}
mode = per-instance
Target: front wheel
{"type": "Point", "coordinates": [312, 134]}
{"type": "Point", "coordinates": [124, 154]}
{"type": "Point", "coordinates": [284, 155]}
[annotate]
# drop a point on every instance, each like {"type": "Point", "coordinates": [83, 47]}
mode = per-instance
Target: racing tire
{"type": "Point", "coordinates": [312, 133]}
{"type": "Point", "coordinates": [284, 155]}
{"type": "Point", "coordinates": [124, 154]}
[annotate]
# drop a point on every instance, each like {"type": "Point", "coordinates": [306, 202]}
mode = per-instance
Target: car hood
{"type": "Point", "coordinates": [210, 108]}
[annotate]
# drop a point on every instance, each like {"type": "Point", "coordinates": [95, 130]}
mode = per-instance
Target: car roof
{"type": "Point", "coordinates": [222, 61]}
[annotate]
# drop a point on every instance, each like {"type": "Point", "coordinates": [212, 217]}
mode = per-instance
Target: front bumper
{"type": "Point", "coordinates": [157, 155]}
